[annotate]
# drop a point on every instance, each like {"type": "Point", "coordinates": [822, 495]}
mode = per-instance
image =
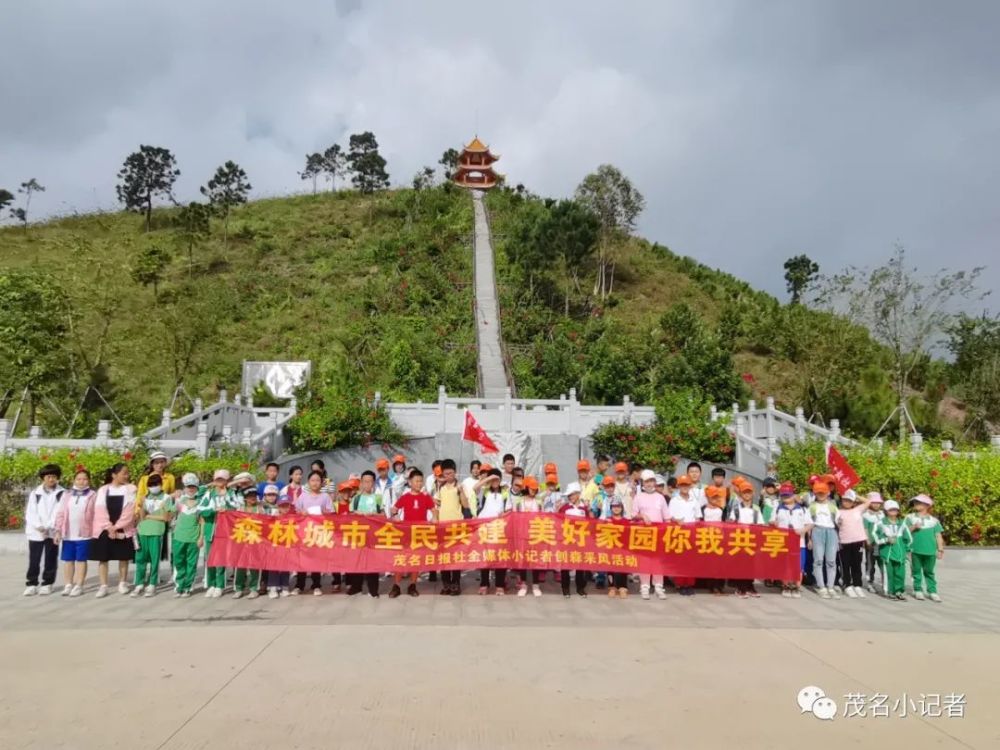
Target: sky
{"type": "Point", "coordinates": [755, 130]}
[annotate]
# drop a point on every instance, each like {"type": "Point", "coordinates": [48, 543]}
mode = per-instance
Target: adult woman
{"type": "Point", "coordinates": [158, 462]}
{"type": "Point", "coordinates": [113, 531]}
{"type": "Point", "coordinates": [74, 525]}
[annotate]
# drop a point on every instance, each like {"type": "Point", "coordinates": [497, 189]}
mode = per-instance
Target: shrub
{"type": "Point", "coordinates": [965, 486]}
{"type": "Point", "coordinates": [329, 421]}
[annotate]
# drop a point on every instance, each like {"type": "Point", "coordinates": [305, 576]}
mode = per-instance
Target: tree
{"type": "Point", "coordinates": [799, 274]}
{"type": "Point", "coordinates": [229, 187]}
{"type": "Point", "coordinates": [334, 164]}
{"type": "Point", "coordinates": [610, 195]}
{"type": "Point", "coordinates": [313, 168]}
{"type": "Point", "coordinates": [567, 235]}
{"type": "Point", "coordinates": [366, 164]}
{"type": "Point", "coordinates": [975, 344]}
{"type": "Point", "coordinates": [149, 172]}
{"type": "Point", "coordinates": [424, 179]}
{"type": "Point", "coordinates": [6, 198]}
{"type": "Point", "coordinates": [449, 160]}
{"type": "Point", "coordinates": [26, 189]}
{"type": "Point", "coordinates": [149, 265]}
{"type": "Point", "coordinates": [904, 312]}
{"type": "Point", "coordinates": [192, 226]}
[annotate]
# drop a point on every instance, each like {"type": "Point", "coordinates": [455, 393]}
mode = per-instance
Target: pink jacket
{"type": "Point", "coordinates": [62, 513]}
{"type": "Point", "coordinates": [852, 525]}
{"type": "Point", "coordinates": [126, 522]}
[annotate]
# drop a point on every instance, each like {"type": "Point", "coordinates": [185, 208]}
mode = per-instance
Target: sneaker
{"type": "Point", "coordinates": [565, 593]}
{"type": "Point", "coordinates": [860, 592]}
{"type": "Point", "coordinates": [177, 594]}
{"type": "Point", "coordinates": [237, 595]}
{"type": "Point", "coordinates": [754, 593]}
{"type": "Point", "coordinates": [76, 591]}
{"type": "Point", "coordinates": [335, 589]}
{"type": "Point", "coordinates": [870, 587]}
{"type": "Point", "coordinates": [66, 589]}
{"type": "Point", "coordinates": [150, 592]}
{"type": "Point", "coordinates": [644, 593]}
{"type": "Point", "coordinates": [185, 595]}
{"type": "Point", "coordinates": [253, 594]}
{"type": "Point", "coordinates": [484, 590]}
{"type": "Point", "coordinates": [743, 594]}
{"type": "Point", "coordinates": [412, 590]}
{"type": "Point", "coordinates": [522, 590]}
{"type": "Point", "coordinates": [31, 591]}
{"type": "Point", "coordinates": [284, 593]}
{"type": "Point", "coordinates": [623, 593]}
{"type": "Point", "coordinates": [834, 593]}
{"type": "Point", "coordinates": [918, 595]}
{"type": "Point", "coordinates": [394, 591]}
{"type": "Point", "coordinates": [122, 588]}
{"type": "Point", "coordinates": [851, 593]}
{"type": "Point", "coordinates": [900, 596]}
{"type": "Point", "coordinates": [500, 592]}
{"type": "Point", "coordinates": [661, 594]}
{"type": "Point", "coordinates": [319, 592]}
{"type": "Point", "coordinates": [217, 593]}
{"type": "Point", "coordinates": [786, 593]}
{"type": "Point", "coordinates": [209, 592]}
{"type": "Point", "coordinates": [102, 592]}
{"type": "Point", "coordinates": [612, 592]}
{"type": "Point", "coordinates": [44, 590]}
{"type": "Point", "coordinates": [796, 594]}
{"type": "Point", "coordinates": [456, 590]}
{"type": "Point", "coordinates": [582, 593]}
{"type": "Point", "coordinates": [824, 593]}
{"type": "Point", "coordinates": [272, 592]}
{"type": "Point", "coordinates": [536, 590]}
{"type": "Point", "coordinates": [934, 598]}
{"type": "Point", "coordinates": [136, 592]}
{"type": "Point", "coordinates": [296, 592]}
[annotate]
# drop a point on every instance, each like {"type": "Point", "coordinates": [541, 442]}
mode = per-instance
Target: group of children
{"type": "Point", "coordinates": [849, 538]}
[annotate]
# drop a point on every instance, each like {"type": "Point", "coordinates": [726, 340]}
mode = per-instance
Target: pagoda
{"type": "Point", "coordinates": [474, 168]}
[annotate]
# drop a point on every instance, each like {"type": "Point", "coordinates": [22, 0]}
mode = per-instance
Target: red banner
{"type": "Point", "coordinates": [476, 434]}
{"type": "Point", "coordinates": [358, 544]}
{"type": "Point", "coordinates": [842, 471]}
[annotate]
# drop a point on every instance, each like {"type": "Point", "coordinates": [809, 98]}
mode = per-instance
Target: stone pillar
{"type": "Point", "coordinates": [4, 434]}
{"type": "Point", "coordinates": [740, 427]}
{"type": "Point", "coordinates": [223, 396]}
{"type": "Point", "coordinates": [201, 439]}
{"type": "Point", "coordinates": [769, 417]}
{"type": "Point", "coordinates": [442, 408]}
{"type": "Point", "coordinates": [238, 399]}
{"type": "Point", "coordinates": [103, 432]}
{"type": "Point", "coordinates": [995, 442]}
{"type": "Point", "coordinates": [574, 407]}
{"type": "Point", "coordinates": [834, 430]}
{"type": "Point", "coordinates": [627, 406]}
{"type": "Point", "coordinates": [508, 410]}
{"type": "Point", "coordinates": [165, 418]}
{"type": "Point", "coordinates": [800, 423]}
{"type": "Point", "coordinates": [34, 432]}
{"type": "Point", "coordinates": [947, 445]}
{"type": "Point", "coordinates": [916, 441]}
{"type": "Point", "coordinates": [713, 413]}
{"type": "Point", "coordinates": [198, 405]}
{"type": "Point", "coordinates": [227, 434]}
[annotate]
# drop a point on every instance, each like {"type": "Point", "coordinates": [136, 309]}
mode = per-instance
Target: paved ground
{"type": "Point", "coordinates": [491, 365]}
{"type": "Point", "coordinates": [490, 672]}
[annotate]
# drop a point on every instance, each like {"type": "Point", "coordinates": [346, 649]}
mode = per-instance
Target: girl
{"type": "Point", "coordinates": [871, 518]}
{"type": "Point", "coordinates": [247, 580]}
{"type": "Point", "coordinates": [157, 466]}
{"type": "Point", "coordinates": [823, 539]}
{"type": "Point", "coordinates": [314, 501]}
{"type": "Point", "coordinates": [113, 531]}
{"type": "Point", "coordinates": [619, 581]}
{"type": "Point", "coordinates": [293, 489]}
{"type": "Point", "coordinates": [624, 489]}
{"type": "Point", "coordinates": [574, 507]}
{"type": "Point", "coordinates": [651, 507]}
{"type": "Point", "coordinates": [893, 539]}
{"type": "Point", "coordinates": [746, 513]}
{"type": "Point", "coordinates": [155, 512]}
{"type": "Point", "coordinates": [792, 515]}
{"type": "Point", "coordinates": [852, 535]}
{"type": "Point", "coordinates": [74, 521]}
{"type": "Point", "coordinates": [277, 581]}
{"type": "Point", "coordinates": [212, 500]}
{"type": "Point", "coordinates": [530, 503]}
{"type": "Point", "coordinates": [188, 536]}
{"type": "Point", "coordinates": [494, 505]}
{"type": "Point", "coordinates": [552, 498]}
{"type": "Point", "coordinates": [927, 548]}
{"type": "Point", "coordinates": [715, 508]}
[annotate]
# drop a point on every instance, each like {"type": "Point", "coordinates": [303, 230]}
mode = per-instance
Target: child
{"type": "Point", "coordinates": [495, 499]}
{"type": "Point", "coordinates": [412, 506]}
{"type": "Point", "coordinates": [74, 520]}
{"type": "Point", "coordinates": [453, 505]}
{"type": "Point", "coordinates": [684, 509]}
{"type": "Point", "coordinates": [623, 489]}
{"type": "Point", "coordinates": [313, 500]}
{"type": "Point", "coordinates": [651, 507]}
{"type": "Point", "coordinates": [697, 491]}
{"type": "Point", "coordinates": [574, 507]}
{"type": "Point", "coordinates": [552, 498]}
{"type": "Point", "coordinates": [398, 477]}
{"type": "Point", "coordinates": [746, 513]}
{"type": "Point", "coordinates": [824, 539]}
{"type": "Point", "coordinates": [769, 500]}
{"type": "Point", "coordinates": [39, 519]}
{"type": "Point", "coordinates": [852, 535]}
{"type": "Point", "coordinates": [278, 580]}
{"type": "Point", "coordinates": [715, 508]}
{"type": "Point", "coordinates": [187, 536]}
{"type": "Point", "coordinates": [247, 581]}
{"type": "Point", "coordinates": [530, 504]}
{"type": "Point", "coordinates": [600, 506]}
{"type": "Point", "coordinates": [155, 511]}
{"type": "Point", "coordinates": [791, 515]}
{"type": "Point", "coordinates": [927, 547]}
{"type": "Point", "coordinates": [368, 502]}
{"type": "Point", "coordinates": [271, 472]}
{"type": "Point", "coordinates": [872, 517]}
{"type": "Point", "coordinates": [893, 539]}
{"type": "Point", "coordinates": [619, 581]}
{"type": "Point", "coordinates": [213, 499]}
{"type": "Point", "coordinates": [293, 489]}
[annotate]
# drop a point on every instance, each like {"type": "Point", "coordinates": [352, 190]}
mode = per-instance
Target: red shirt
{"type": "Point", "coordinates": [414, 506]}
{"type": "Point", "coordinates": [343, 507]}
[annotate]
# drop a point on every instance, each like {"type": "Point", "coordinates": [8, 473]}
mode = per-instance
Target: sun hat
{"type": "Point", "coordinates": [399, 458]}
{"type": "Point", "coordinates": [343, 487]}
{"type": "Point", "coordinates": [891, 505]}
{"type": "Point", "coordinates": [251, 490]}
{"type": "Point", "coordinates": [157, 455]}
{"type": "Point", "coordinates": [190, 480]}
{"type": "Point", "coordinates": [220, 474]}
{"type": "Point", "coordinates": [530, 483]}
{"type": "Point", "coordinates": [573, 488]}
{"type": "Point", "coordinates": [354, 482]}
{"type": "Point", "coordinates": [874, 497]}
{"type": "Point", "coordinates": [770, 482]}
{"type": "Point", "coordinates": [715, 492]}
{"type": "Point", "coordinates": [922, 498]}
{"type": "Point", "coordinates": [243, 476]}
{"type": "Point", "coordinates": [820, 486]}
{"type": "Point", "coordinates": [550, 468]}
{"type": "Point", "coordinates": [616, 502]}
{"type": "Point", "coordinates": [647, 474]}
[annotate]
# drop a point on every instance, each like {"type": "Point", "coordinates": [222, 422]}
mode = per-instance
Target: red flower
{"type": "Point", "coordinates": [244, 466]}
{"type": "Point", "coordinates": [747, 377]}
{"type": "Point", "coordinates": [976, 532]}
{"type": "Point", "coordinates": [127, 455]}
{"type": "Point", "coordinates": [945, 455]}
{"type": "Point", "coordinates": [13, 521]}
{"type": "Point", "coordinates": [631, 438]}
{"type": "Point", "coordinates": [934, 472]}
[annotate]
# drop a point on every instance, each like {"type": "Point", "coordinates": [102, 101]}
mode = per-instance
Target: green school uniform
{"type": "Point", "coordinates": [768, 504]}
{"type": "Point", "coordinates": [368, 504]}
{"type": "Point", "coordinates": [150, 539]}
{"type": "Point", "coordinates": [187, 528]}
{"type": "Point", "coordinates": [925, 530]}
{"type": "Point", "coordinates": [246, 579]}
{"type": "Point", "coordinates": [210, 503]}
{"type": "Point", "coordinates": [893, 539]}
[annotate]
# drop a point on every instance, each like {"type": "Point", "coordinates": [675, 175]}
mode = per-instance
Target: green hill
{"type": "Point", "coordinates": [376, 291]}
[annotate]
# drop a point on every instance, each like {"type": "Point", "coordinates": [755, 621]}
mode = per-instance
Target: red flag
{"type": "Point", "coordinates": [842, 471]}
{"type": "Point", "coordinates": [476, 434]}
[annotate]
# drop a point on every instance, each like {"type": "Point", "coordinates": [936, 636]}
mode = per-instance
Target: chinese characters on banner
{"type": "Point", "coordinates": [358, 544]}
{"type": "Point", "coordinates": [842, 471]}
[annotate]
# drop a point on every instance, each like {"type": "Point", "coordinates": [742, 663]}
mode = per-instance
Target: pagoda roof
{"type": "Point", "coordinates": [477, 145]}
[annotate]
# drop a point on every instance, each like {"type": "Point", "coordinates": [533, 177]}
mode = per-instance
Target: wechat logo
{"type": "Point", "coordinates": [813, 700]}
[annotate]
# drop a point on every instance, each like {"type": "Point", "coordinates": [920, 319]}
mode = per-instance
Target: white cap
{"type": "Point", "coordinates": [271, 489]}
{"type": "Point", "coordinates": [243, 477]}
{"type": "Point", "coordinates": [659, 480]}
{"type": "Point", "coordinates": [190, 480]}
{"type": "Point", "coordinates": [647, 474]}
{"type": "Point", "coordinates": [572, 488]}
{"type": "Point", "coordinates": [891, 505]}
{"type": "Point", "coordinates": [850, 495]}
{"type": "Point", "coordinates": [221, 474]}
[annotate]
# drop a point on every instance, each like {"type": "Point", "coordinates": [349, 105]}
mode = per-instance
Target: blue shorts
{"type": "Point", "coordinates": [75, 551]}
{"type": "Point", "coordinates": [802, 558]}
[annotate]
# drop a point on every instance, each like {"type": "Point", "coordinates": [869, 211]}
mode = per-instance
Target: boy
{"type": "Point", "coordinates": [893, 539]}
{"type": "Point", "coordinates": [367, 502]}
{"type": "Point", "coordinates": [927, 547]}
{"type": "Point", "coordinates": [824, 539]}
{"type": "Point", "coordinates": [575, 507]}
{"type": "Point", "coordinates": [791, 515]}
{"type": "Point", "coordinates": [697, 491]}
{"type": "Point", "coordinates": [278, 581]}
{"type": "Point", "coordinates": [715, 502]}
{"type": "Point", "coordinates": [383, 485]}
{"type": "Point", "coordinates": [588, 486]}
{"type": "Point", "coordinates": [746, 513]}
{"type": "Point", "coordinates": [39, 527]}
{"type": "Point", "coordinates": [154, 513]}
{"type": "Point", "coordinates": [624, 490]}
{"type": "Point", "coordinates": [412, 506]}
{"type": "Point", "coordinates": [248, 581]}
{"type": "Point", "coordinates": [507, 464]}
{"type": "Point", "coordinates": [453, 505]}
{"type": "Point", "coordinates": [684, 509]}
{"type": "Point", "coordinates": [475, 467]}
{"type": "Point", "coordinates": [552, 497]}
{"type": "Point", "coordinates": [651, 507]}
{"type": "Point", "coordinates": [187, 535]}
{"type": "Point", "coordinates": [270, 477]}
{"type": "Point", "coordinates": [769, 500]}
{"type": "Point", "coordinates": [871, 518]}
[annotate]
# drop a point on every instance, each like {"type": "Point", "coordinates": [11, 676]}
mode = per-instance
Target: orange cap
{"type": "Point", "coordinates": [550, 468]}
{"type": "Point", "coordinates": [684, 481]}
{"type": "Point", "coordinates": [583, 465]}
{"type": "Point", "coordinates": [714, 492]}
{"type": "Point", "coordinates": [485, 468]}
{"type": "Point", "coordinates": [399, 458]}
{"type": "Point", "coordinates": [828, 478]}
{"type": "Point", "coordinates": [344, 487]}
{"type": "Point", "coordinates": [530, 483]}
{"type": "Point", "coordinates": [353, 483]}
{"type": "Point", "coordinates": [821, 485]}
{"type": "Point", "coordinates": [438, 471]}
{"type": "Point", "coordinates": [608, 481]}
{"type": "Point", "coordinates": [382, 463]}
{"type": "Point", "coordinates": [621, 467]}
{"type": "Point", "coordinates": [551, 479]}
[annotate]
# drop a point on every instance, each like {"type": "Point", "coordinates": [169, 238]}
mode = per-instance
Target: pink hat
{"type": "Point", "coordinates": [874, 497]}
{"type": "Point", "coordinates": [925, 499]}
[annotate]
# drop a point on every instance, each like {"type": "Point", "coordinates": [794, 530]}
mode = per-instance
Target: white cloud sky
{"type": "Point", "coordinates": [756, 130]}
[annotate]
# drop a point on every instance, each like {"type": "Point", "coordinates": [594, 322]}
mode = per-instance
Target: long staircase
{"type": "Point", "coordinates": [494, 377]}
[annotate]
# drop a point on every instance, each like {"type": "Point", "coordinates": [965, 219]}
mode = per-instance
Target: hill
{"type": "Point", "coordinates": [376, 291]}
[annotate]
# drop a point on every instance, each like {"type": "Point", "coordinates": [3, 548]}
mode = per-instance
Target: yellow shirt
{"type": "Point", "coordinates": [142, 489]}
{"type": "Point", "coordinates": [590, 491]}
{"type": "Point", "coordinates": [450, 503]}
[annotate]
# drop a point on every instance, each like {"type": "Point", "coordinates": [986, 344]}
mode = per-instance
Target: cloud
{"type": "Point", "coordinates": [756, 130]}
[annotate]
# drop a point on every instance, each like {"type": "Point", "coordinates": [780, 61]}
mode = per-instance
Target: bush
{"type": "Point", "coordinates": [330, 421]}
{"type": "Point", "coordinates": [965, 486]}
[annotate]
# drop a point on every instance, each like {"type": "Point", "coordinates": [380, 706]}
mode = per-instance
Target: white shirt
{"type": "Point", "coordinates": [697, 492]}
{"type": "Point", "coordinates": [711, 513]}
{"type": "Point", "coordinates": [794, 518]}
{"type": "Point", "coordinates": [41, 513]}
{"type": "Point", "coordinates": [747, 516]}
{"type": "Point", "coordinates": [384, 488]}
{"type": "Point", "coordinates": [469, 487]}
{"type": "Point", "coordinates": [824, 514]}
{"type": "Point", "coordinates": [493, 505]}
{"type": "Point", "coordinates": [684, 511]}
{"type": "Point", "coordinates": [76, 509]}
